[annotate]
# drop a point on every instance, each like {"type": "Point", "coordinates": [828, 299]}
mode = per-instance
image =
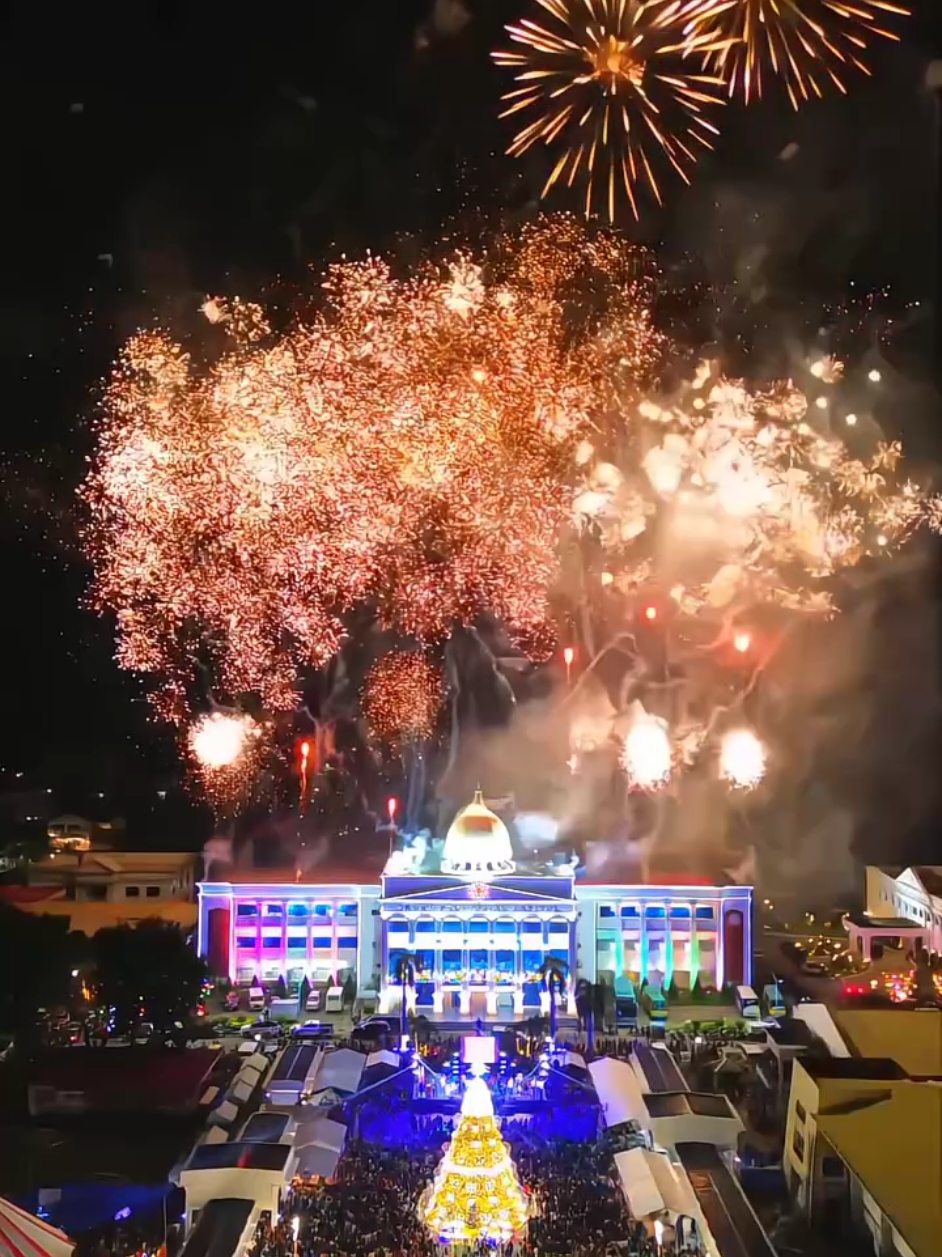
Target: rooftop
{"type": "Point", "coordinates": [218, 1229]}
{"type": "Point", "coordinates": [931, 877]}
{"type": "Point", "coordinates": [240, 1155]}
{"type": "Point", "coordinates": [866, 922]}
{"type": "Point", "coordinates": [877, 1069]}
{"type": "Point", "coordinates": [872, 1139]}
{"type": "Point", "coordinates": [911, 1036]}
{"type": "Point", "coordinates": [688, 1104]}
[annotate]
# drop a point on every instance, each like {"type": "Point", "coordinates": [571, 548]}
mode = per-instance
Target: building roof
{"type": "Point", "coordinates": [477, 843]}
{"type": "Point", "coordinates": [894, 1147]}
{"type": "Point", "coordinates": [322, 875]}
{"type": "Point", "coordinates": [729, 1216]}
{"type": "Point", "coordinates": [877, 1069]}
{"type": "Point", "coordinates": [688, 1104]}
{"type": "Point", "coordinates": [218, 1229]}
{"type": "Point", "coordinates": [109, 1080]}
{"type": "Point", "coordinates": [931, 877]}
{"type": "Point", "coordinates": [911, 1036]}
{"type": "Point", "coordinates": [239, 1155]}
{"type": "Point", "coordinates": [864, 921]}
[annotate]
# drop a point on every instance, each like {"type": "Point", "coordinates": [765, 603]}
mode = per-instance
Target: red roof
{"type": "Point", "coordinates": [30, 894]}
{"type": "Point", "coordinates": [108, 1080]}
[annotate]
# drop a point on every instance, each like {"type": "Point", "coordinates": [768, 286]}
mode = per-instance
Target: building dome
{"type": "Point", "coordinates": [477, 844]}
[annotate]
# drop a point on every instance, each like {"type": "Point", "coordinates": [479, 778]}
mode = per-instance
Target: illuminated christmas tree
{"type": "Point", "coordinates": [475, 1193]}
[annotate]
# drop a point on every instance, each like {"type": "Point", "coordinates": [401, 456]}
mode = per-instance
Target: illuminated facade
{"type": "Point", "coordinates": [479, 933]}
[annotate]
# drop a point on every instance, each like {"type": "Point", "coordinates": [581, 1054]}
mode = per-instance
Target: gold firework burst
{"type": "Point", "coordinates": [808, 44]}
{"type": "Point", "coordinates": [607, 81]}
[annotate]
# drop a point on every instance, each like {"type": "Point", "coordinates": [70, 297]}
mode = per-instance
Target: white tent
{"type": "Point", "coordinates": [382, 1058]}
{"type": "Point", "coordinates": [23, 1235]}
{"type": "Point", "coordinates": [241, 1091]}
{"type": "Point", "coordinates": [652, 1185]}
{"type": "Point", "coordinates": [619, 1092]}
{"type": "Point", "coordinates": [341, 1070]}
{"type": "Point", "coordinates": [225, 1114]}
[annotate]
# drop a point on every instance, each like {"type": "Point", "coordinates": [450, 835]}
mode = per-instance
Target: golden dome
{"type": "Point", "coordinates": [477, 844]}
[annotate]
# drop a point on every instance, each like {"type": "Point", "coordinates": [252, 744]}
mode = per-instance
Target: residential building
{"type": "Point", "coordinates": [863, 1139]}
{"type": "Point", "coordinates": [97, 888]}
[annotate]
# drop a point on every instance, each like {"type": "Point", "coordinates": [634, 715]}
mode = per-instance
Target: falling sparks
{"type": "Point", "coordinates": [402, 697]}
{"type": "Point", "coordinates": [608, 83]}
{"type": "Point", "coordinates": [742, 759]}
{"type": "Point", "coordinates": [646, 755]}
{"type": "Point", "coordinates": [809, 45]}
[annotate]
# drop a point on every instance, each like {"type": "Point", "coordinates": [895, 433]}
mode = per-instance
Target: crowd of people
{"type": "Point", "coordinates": [370, 1208]}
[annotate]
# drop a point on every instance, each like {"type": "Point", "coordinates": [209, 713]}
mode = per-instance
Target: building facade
{"type": "Point", "coordinates": [476, 928]}
{"type": "Point", "coordinates": [915, 894]}
{"type": "Point", "coordinates": [100, 888]}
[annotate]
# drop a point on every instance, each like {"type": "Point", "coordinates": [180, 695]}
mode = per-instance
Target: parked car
{"type": "Point", "coordinates": [263, 1031]}
{"type": "Point", "coordinates": [316, 1031]}
{"type": "Point", "coordinates": [256, 998]}
{"type": "Point", "coordinates": [313, 1002]}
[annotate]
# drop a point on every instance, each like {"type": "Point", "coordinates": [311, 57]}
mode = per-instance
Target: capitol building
{"type": "Point", "coordinates": [478, 920]}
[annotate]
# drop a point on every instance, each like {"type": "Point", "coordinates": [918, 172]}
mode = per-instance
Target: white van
{"type": "Point", "coordinates": [256, 998]}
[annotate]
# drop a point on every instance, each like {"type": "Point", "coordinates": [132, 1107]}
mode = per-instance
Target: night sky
{"type": "Point", "coordinates": [154, 154]}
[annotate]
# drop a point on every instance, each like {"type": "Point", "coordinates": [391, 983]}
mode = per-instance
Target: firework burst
{"type": "Point", "coordinates": [406, 452]}
{"type": "Point", "coordinates": [226, 751]}
{"type": "Point", "coordinates": [807, 44]}
{"type": "Point", "coordinates": [402, 697]}
{"type": "Point", "coordinates": [607, 83]}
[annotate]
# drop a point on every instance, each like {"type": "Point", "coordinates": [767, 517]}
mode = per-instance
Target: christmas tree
{"type": "Point", "coordinates": [475, 1193]}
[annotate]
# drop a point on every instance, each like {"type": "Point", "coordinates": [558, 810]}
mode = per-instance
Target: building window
{"type": "Point", "coordinates": [275, 910]}
{"type": "Point", "coordinates": [801, 1112]}
{"type": "Point", "coordinates": [153, 892]}
{"type": "Point", "coordinates": [322, 941]}
{"type": "Point", "coordinates": [346, 944]}
{"type": "Point", "coordinates": [705, 914]}
{"type": "Point", "coordinates": [680, 912]}
{"type": "Point", "coordinates": [297, 910]}
{"type": "Point", "coordinates": [297, 944]}
{"type": "Point", "coordinates": [505, 927]}
{"type": "Point", "coordinates": [531, 927]}
{"type": "Point", "coordinates": [832, 1167]}
{"type": "Point", "coordinates": [606, 910]}
{"type": "Point", "coordinates": [246, 940]}
{"type": "Point", "coordinates": [425, 927]}
{"type": "Point", "coordinates": [798, 1145]}
{"type": "Point", "coordinates": [630, 911]}
{"type": "Point", "coordinates": [654, 913]}
{"type": "Point", "coordinates": [322, 909]}
{"type": "Point", "coordinates": [132, 892]}
{"type": "Point", "coordinates": [271, 942]}
{"type": "Point", "coordinates": [477, 926]}
{"type": "Point", "coordinates": [347, 909]}
{"type": "Point", "coordinates": [398, 927]}
{"type": "Point", "coordinates": [247, 910]}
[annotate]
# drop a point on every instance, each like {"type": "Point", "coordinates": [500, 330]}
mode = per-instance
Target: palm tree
{"type": "Point", "coordinates": [404, 974]}
{"type": "Point", "coordinates": [553, 973]}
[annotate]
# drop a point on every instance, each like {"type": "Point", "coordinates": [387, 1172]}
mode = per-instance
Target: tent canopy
{"type": "Point", "coordinates": [619, 1091]}
{"type": "Point", "coordinates": [652, 1186]}
{"type": "Point", "coordinates": [341, 1069]}
{"type": "Point", "coordinates": [23, 1235]}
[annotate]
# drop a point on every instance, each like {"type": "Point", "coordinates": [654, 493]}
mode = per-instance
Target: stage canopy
{"type": "Point", "coordinates": [23, 1235]}
{"type": "Point", "coordinates": [619, 1091]}
{"type": "Point", "coordinates": [652, 1185]}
